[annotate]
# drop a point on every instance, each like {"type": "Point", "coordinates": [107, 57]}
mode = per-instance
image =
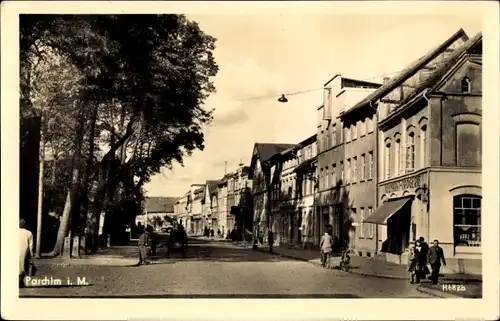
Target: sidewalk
{"type": "Point", "coordinates": [364, 265]}
{"type": "Point", "coordinates": [125, 255]}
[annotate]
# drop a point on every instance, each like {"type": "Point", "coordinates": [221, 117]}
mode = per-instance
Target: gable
{"type": "Point", "coordinates": [467, 67]}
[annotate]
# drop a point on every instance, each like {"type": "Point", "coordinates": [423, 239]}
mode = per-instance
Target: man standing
{"type": "Point", "coordinates": [26, 251]}
{"type": "Point", "coordinates": [435, 257]}
{"type": "Point", "coordinates": [326, 249]}
{"type": "Point", "coordinates": [270, 240]}
{"type": "Point", "coordinates": [425, 251]}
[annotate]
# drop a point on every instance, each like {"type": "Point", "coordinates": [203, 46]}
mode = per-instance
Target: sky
{"type": "Point", "coordinates": [262, 56]}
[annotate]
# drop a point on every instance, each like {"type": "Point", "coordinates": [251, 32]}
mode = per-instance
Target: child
{"type": "Point", "coordinates": [412, 264]}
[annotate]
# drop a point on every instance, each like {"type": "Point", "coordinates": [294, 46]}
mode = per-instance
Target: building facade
{"type": "Point", "coordinates": [209, 210]}
{"type": "Point", "coordinates": [429, 164]}
{"type": "Point", "coordinates": [197, 211]}
{"type": "Point", "coordinates": [260, 175]}
{"type": "Point", "coordinates": [222, 206]}
{"type": "Point", "coordinates": [340, 191]}
{"type": "Point", "coordinates": [306, 190]}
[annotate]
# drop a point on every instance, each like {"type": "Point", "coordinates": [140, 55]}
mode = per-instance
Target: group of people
{"type": "Point", "coordinates": [147, 237]}
{"type": "Point", "coordinates": [422, 257]}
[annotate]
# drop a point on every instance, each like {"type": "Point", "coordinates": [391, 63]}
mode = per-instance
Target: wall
{"type": "Point", "coordinates": [442, 183]}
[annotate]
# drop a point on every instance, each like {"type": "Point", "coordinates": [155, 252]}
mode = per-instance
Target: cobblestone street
{"type": "Point", "coordinates": [216, 269]}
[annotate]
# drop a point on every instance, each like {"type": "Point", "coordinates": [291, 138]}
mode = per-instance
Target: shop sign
{"type": "Point", "coordinates": [404, 184]}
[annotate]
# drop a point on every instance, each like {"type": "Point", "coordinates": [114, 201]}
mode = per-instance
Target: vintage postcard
{"type": "Point", "coordinates": [159, 155]}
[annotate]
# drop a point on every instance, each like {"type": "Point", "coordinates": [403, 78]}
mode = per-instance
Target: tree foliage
{"type": "Point", "coordinates": [134, 84]}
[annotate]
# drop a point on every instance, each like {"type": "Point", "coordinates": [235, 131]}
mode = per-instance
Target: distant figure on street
{"type": "Point", "coordinates": [212, 233]}
{"type": "Point", "coordinates": [435, 257]}
{"type": "Point", "coordinates": [326, 249]}
{"type": "Point", "coordinates": [218, 233]}
{"type": "Point", "coordinates": [154, 240]}
{"type": "Point", "coordinates": [26, 251]}
{"type": "Point", "coordinates": [143, 243]}
{"type": "Point", "coordinates": [270, 240]}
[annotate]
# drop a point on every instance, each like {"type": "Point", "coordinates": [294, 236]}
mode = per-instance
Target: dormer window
{"type": "Point", "coordinates": [465, 85]}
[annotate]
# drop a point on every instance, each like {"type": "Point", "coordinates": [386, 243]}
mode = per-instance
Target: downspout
{"type": "Point", "coordinates": [424, 94]}
{"type": "Point", "coordinates": [375, 168]}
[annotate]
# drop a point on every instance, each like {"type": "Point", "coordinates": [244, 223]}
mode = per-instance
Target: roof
{"type": "Point", "coordinates": [160, 204]}
{"type": "Point", "coordinates": [268, 150]}
{"type": "Point", "coordinates": [407, 72]}
{"type": "Point", "coordinates": [309, 140]}
{"type": "Point", "coordinates": [437, 75]}
{"type": "Point", "coordinates": [305, 164]}
{"type": "Point", "coordinates": [212, 186]}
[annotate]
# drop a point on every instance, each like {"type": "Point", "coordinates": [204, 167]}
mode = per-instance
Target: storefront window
{"type": "Point", "coordinates": [467, 220]}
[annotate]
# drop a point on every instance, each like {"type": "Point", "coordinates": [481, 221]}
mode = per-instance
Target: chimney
{"type": "Point", "coordinates": [385, 80]}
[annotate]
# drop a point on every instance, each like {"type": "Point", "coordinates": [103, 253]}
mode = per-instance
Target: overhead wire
{"type": "Point", "coordinates": [307, 90]}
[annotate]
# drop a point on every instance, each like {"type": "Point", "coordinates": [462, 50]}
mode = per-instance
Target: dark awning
{"type": "Point", "coordinates": [386, 210]}
{"type": "Point", "coordinates": [304, 165]}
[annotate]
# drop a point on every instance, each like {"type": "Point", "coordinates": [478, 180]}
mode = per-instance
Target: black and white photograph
{"type": "Point", "coordinates": [250, 152]}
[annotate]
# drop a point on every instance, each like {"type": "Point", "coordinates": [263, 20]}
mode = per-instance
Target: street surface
{"type": "Point", "coordinates": [217, 269]}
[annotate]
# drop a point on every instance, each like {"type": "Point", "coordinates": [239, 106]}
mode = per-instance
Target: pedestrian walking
{"type": "Point", "coordinates": [435, 257]}
{"type": "Point", "coordinates": [218, 233]}
{"type": "Point", "coordinates": [26, 252]}
{"type": "Point", "coordinates": [326, 244]}
{"type": "Point", "coordinates": [143, 242]}
{"type": "Point", "coordinates": [270, 240]}
{"type": "Point", "coordinates": [212, 233]}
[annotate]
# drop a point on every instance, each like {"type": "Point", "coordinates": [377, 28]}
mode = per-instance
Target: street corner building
{"type": "Point", "coordinates": [428, 155]}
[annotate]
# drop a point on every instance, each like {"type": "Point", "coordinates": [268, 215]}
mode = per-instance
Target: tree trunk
{"type": "Point", "coordinates": [40, 190]}
{"type": "Point", "coordinates": [65, 218]}
{"type": "Point", "coordinates": [84, 204]}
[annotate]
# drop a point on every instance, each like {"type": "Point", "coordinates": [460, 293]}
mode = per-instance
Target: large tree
{"type": "Point", "coordinates": [143, 81]}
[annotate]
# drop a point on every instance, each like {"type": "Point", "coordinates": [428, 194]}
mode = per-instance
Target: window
{"type": "Point", "coordinates": [363, 167]}
{"type": "Point", "coordinates": [388, 157]}
{"type": "Point", "coordinates": [467, 220]}
{"type": "Point", "coordinates": [423, 146]}
{"type": "Point", "coordinates": [397, 152]}
{"type": "Point", "coordinates": [468, 142]}
{"type": "Point", "coordinates": [354, 169]}
{"type": "Point", "coordinates": [327, 138]}
{"type": "Point", "coordinates": [370, 165]}
{"type": "Point", "coordinates": [327, 177]}
{"type": "Point", "coordinates": [369, 125]}
{"type": "Point", "coordinates": [410, 152]}
{"type": "Point", "coordinates": [348, 171]}
{"type": "Point", "coordinates": [354, 132]}
{"type": "Point", "coordinates": [334, 134]}
{"type": "Point", "coordinates": [334, 174]}
{"type": "Point", "coordinates": [362, 128]}
{"type": "Point", "coordinates": [347, 134]}
{"type": "Point", "coordinates": [321, 176]}
{"type": "Point", "coordinates": [465, 85]}
{"type": "Point", "coordinates": [361, 223]}
{"type": "Point", "coordinates": [321, 141]}
{"type": "Point", "coordinates": [371, 227]}
{"type": "Point", "coordinates": [342, 175]}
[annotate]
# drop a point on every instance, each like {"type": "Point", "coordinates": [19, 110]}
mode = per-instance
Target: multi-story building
{"type": "Point", "coordinates": [209, 210]}
{"type": "Point", "coordinates": [181, 209]}
{"type": "Point", "coordinates": [242, 210]}
{"type": "Point", "coordinates": [197, 209]}
{"type": "Point", "coordinates": [283, 198]}
{"type": "Point", "coordinates": [429, 167]}
{"type": "Point", "coordinates": [260, 175]}
{"type": "Point", "coordinates": [306, 188]}
{"type": "Point", "coordinates": [231, 200]}
{"type": "Point", "coordinates": [222, 206]}
{"type": "Point", "coordinates": [340, 191]}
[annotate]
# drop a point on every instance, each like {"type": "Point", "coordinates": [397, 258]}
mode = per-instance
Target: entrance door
{"type": "Point", "coordinates": [398, 230]}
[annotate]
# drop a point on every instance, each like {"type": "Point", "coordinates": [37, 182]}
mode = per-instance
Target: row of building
{"type": "Point", "coordinates": [220, 204]}
{"type": "Point", "coordinates": [388, 163]}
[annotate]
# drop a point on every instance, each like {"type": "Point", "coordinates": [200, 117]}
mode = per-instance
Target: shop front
{"type": "Point", "coordinates": [402, 215]}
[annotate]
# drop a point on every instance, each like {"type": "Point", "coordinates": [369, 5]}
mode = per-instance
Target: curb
{"type": "Point", "coordinates": [354, 271]}
{"type": "Point", "coordinates": [437, 293]}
